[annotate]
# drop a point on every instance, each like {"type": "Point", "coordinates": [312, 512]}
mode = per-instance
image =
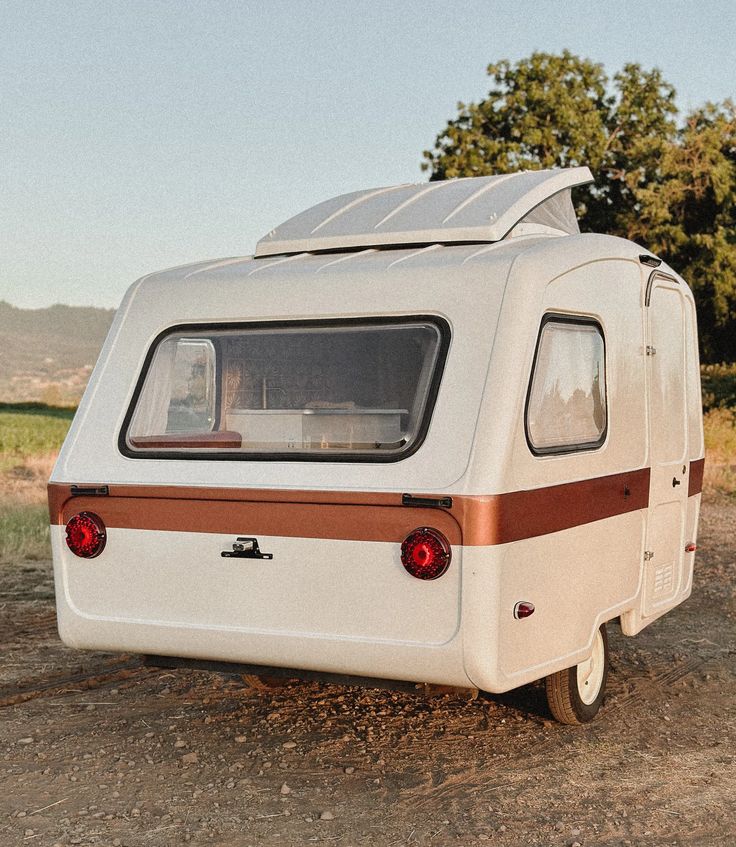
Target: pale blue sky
{"type": "Point", "coordinates": [140, 135]}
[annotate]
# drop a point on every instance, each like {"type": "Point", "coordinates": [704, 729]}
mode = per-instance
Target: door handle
{"type": "Point", "coordinates": [675, 481]}
{"type": "Point", "coordinates": [246, 548]}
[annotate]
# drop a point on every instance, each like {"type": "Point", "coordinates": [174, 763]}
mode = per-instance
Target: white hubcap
{"type": "Point", "coordinates": [590, 672]}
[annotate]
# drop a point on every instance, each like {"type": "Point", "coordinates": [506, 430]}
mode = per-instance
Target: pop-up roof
{"type": "Point", "coordinates": [476, 209]}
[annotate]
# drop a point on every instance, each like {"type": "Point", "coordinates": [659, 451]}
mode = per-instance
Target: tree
{"type": "Point", "coordinates": [689, 217]}
{"type": "Point", "coordinates": [556, 111]}
{"type": "Point", "coordinates": [671, 188]}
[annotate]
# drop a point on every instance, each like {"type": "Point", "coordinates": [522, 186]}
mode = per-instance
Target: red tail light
{"type": "Point", "coordinates": [86, 535]}
{"type": "Point", "coordinates": [426, 553]}
{"type": "Point", "coordinates": [523, 609]}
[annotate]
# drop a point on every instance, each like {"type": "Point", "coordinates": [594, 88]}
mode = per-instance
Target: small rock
{"type": "Point", "coordinates": [350, 770]}
{"type": "Point", "coordinates": [327, 816]}
{"type": "Point", "coordinates": [502, 828]}
{"type": "Point", "coordinates": [28, 740]}
{"type": "Point", "coordinates": [285, 789]}
{"type": "Point", "coordinates": [240, 739]}
{"type": "Point", "coordinates": [190, 758]}
{"type": "Point", "coordinates": [28, 833]}
{"type": "Point", "coordinates": [179, 743]}
{"type": "Point", "coordinates": [575, 832]}
{"type": "Point", "coordinates": [289, 745]}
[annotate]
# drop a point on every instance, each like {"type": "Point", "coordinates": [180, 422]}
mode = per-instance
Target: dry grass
{"type": "Point", "coordinates": [29, 443]}
{"type": "Point", "coordinates": [720, 451]}
{"type": "Point", "coordinates": [24, 517]}
{"type": "Point", "coordinates": [24, 532]}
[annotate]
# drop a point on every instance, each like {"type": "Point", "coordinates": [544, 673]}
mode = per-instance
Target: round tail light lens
{"type": "Point", "coordinates": [426, 553]}
{"type": "Point", "coordinates": [86, 535]}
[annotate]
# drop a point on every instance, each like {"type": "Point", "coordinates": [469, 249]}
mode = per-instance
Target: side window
{"type": "Point", "coordinates": [566, 406]}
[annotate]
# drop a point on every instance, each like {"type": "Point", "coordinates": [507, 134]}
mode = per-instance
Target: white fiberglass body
{"type": "Point", "coordinates": [568, 528]}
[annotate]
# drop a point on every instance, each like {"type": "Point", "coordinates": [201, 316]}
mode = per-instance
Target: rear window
{"type": "Point", "coordinates": [358, 391]}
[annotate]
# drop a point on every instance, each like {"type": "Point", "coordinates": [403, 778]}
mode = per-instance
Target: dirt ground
{"type": "Point", "coordinates": [100, 749]}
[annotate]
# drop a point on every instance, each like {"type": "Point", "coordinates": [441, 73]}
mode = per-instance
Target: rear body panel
{"type": "Point", "coordinates": [335, 572]}
{"type": "Point", "coordinates": [566, 532]}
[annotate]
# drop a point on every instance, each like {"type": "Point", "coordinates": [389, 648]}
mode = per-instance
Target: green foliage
{"type": "Point", "coordinates": [669, 186]}
{"type": "Point", "coordinates": [689, 218]}
{"type": "Point", "coordinates": [719, 386]}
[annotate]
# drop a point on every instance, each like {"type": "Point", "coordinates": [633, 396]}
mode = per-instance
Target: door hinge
{"type": "Point", "coordinates": [651, 351]}
{"type": "Point", "coordinates": [648, 554]}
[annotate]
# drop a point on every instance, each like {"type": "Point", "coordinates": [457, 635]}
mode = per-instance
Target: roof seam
{"type": "Point", "coordinates": [280, 261]}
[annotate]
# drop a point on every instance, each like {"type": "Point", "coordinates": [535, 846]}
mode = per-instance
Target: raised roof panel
{"type": "Point", "coordinates": [474, 209]}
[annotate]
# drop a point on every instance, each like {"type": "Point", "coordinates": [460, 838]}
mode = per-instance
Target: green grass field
{"type": "Point", "coordinates": [31, 435]}
{"type": "Point", "coordinates": [30, 438]}
{"type": "Point", "coordinates": [24, 532]}
{"type": "Point", "coordinates": [30, 430]}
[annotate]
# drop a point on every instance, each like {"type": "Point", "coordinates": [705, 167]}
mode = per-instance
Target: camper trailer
{"type": "Point", "coordinates": [428, 433]}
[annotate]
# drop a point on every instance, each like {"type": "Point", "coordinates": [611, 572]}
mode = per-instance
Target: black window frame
{"type": "Point", "coordinates": [437, 321]}
{"type": "Point", "coordinates": [566, 449]}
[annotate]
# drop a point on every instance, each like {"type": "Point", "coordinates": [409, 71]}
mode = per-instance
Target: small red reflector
{"type": "Point", "coordinates": [523, 609]}
{"type": "Point", "coordinates": [691, 548]}
{"type": "Point", "coordinates": [85, 535]}
{"type": "Point", "coordinates": [425, 553]}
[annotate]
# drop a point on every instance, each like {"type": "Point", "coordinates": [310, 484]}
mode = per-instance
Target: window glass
{"type": "Point", "coordinates": [291, 389]}
{"type": "Point", "coordinates": [567, 400]}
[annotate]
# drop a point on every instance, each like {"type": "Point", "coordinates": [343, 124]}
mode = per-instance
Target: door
{"type": "Point", "coordinates": [668, 446]}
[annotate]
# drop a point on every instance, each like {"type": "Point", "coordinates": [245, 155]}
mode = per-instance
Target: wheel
{"type": "Point", "coordinates": [575, 694]}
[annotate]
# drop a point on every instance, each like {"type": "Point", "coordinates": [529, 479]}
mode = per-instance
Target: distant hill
{"type": "Point", "coordinates": [48, 354]}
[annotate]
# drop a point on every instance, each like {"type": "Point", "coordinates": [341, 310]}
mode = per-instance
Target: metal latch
{"type": "Point", "coordinates": [651, 351]}
{"type": "Point", "coordinates": [431, 502]}
{"type": "Point", "coordinates": [246, 548]}
{"type": "Point", "coordinates": [90, 490]}
{"type": "Point", "coordinates": [648, 554]}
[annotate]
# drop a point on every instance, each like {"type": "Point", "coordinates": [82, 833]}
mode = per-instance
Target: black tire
{"type": "Point", "coordinates": [566, 701]}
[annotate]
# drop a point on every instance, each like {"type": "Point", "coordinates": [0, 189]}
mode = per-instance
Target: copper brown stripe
{"type": "Point", "coordinates": [501, 518]}
{"type": "Point", "coordinates": [695, 481]}
{"type": "Point", "coordinates": [295, 520]}
{"type": "Point", "coordinates": [475, 520]}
